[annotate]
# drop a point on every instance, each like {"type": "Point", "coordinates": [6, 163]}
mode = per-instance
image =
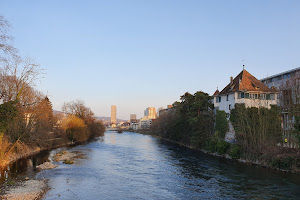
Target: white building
{"type": "Point", "coordinates": [135, 125]}
{"type": "Point", "coordinates": [145, 122]}
{"type": "Point", "coordinates": [245, 89]}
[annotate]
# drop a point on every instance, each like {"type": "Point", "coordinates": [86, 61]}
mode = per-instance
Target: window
{"type": "Point", "coordinates": [227, 98]}
{"type": "Point", "coordinates": [268, 96]}
{"type": "Point", "coordinates": [220, 99]}
{"type": "Point", "coordinates": [241, 95]}
{"type": "Point", "coordinates": [272, 96]}
{"type": "Point", "coordinates": [247, 95]}
{"type": "Point", "coordinates": [229, 106]}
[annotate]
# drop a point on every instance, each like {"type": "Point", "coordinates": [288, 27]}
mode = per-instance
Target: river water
{"type": "Point", "coordinates": [135, 166]}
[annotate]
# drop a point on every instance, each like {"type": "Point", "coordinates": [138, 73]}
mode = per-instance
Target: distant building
{"type": "Point", "coordinates": [165, 111]}
{"type": "Point", "coordinates": [135, 125]}
{"type": "Point", "coordinates": [145, 122]}
{"type": "Point", "coordinates": [288, 85]}
{"type": "Point", "coordinates": [132, 117]}
{"type": "Point", "coordinates": [278, 80]}
{"type": "Point", "coordinates": [245, 89]}
{"type": "Point", "coordinates": [113, 118]}
{"type": "Point", "coordinates": [150, 112]}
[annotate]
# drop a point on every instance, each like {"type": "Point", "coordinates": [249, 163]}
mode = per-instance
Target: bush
{"type": "Point", "coordinates": [211, 145]}
{"type": "Point", "coordinates": [221, 123]}
{"type": "Point", "coordinates": [222, 147]}
{"type": "Point", "coordinates": [283, 163]}
{"type": "Point", "coordinates": [96, 129]}
{"type": "Point", "coordinates": [215, 145]}
{"type": "Point", "coordinates": [78, 134]}
{"type": "Point", "coordinates": [235, 151]}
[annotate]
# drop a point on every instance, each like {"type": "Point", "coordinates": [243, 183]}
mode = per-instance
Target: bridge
{"type": "Point", "coordinates": [116, 128]}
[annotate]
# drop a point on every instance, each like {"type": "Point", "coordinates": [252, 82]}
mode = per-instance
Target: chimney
{"type": "Point", "coordinates": [231, 79]}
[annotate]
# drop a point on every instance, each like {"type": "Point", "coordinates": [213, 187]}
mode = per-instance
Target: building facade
{"type": "Point", "coordinates": [150, 112]}
{"type": "Point", "coordinates": [113, 117]}
{"type": "Point", "coordinates": [145, 122]}
{"type": "Point", "coordinates": [133, 118]}
{"type": "Point", "coordinates": [244, 89]}
{"type": "Point", "coordinates": [281, 79]}
{"type": "Point", "coordinates": [288, 84]}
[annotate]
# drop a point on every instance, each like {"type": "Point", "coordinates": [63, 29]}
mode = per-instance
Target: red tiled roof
{"type": "Point", "coordinates": [216, 93]}
{"type": "Point", "coordinates": [245, 82]}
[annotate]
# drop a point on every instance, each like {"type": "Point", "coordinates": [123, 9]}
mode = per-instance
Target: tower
{"type": "Point", "coordinates": [113, 118]}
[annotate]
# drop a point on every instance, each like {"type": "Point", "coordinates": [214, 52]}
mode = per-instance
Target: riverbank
{"type": "Point", "coordinates": [26, 190]}
{"type": "Point", "coordinates": [261, 163]}
{"type": "Point", "coordinates": [32, 189]}
{"type": "Point", "coordinates": [27, 151]}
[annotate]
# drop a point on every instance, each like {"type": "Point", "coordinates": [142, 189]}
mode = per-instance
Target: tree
{"type": "Point", "coordinates": [190, 121]}
{"type": "Point", "coordinates": [6, 47]}
{"type": "Point", "coordinates": [78, 109]}
{"type": "Point", "coordinates": [17, 78]}
{"type": "Point", "coordinates": [256, 128]}
{"type": "Point", "coordinates": [221, 123]}
{"type": "Point", "coordinates": [75, 128]}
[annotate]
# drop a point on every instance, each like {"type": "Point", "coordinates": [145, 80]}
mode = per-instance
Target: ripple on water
{"type": "Point", "coordinates": [135, 166]}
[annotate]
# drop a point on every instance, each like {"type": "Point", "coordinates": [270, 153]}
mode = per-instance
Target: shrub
{"type": "Point", "coordinates": [283, 163]}
{"type": "Point", "coordinates": [78, 134]}
{"type": "Point", "coordinates": [235, 151]}
{"type": "Point", "coordinates": [222, 147]}
{"type": "Point", "coordinates": [4, 146]}
{"type": "Point", "coordinates": [221, 123]}
{"type": "Point", "coordinates": [211, 145]}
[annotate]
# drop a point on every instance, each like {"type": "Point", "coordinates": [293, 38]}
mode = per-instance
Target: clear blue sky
{"type": "Point", "coordinates": [137, 54]}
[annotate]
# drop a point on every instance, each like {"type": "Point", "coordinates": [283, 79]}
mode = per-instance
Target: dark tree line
{"type": "Point", "coordinates": [190, 121]}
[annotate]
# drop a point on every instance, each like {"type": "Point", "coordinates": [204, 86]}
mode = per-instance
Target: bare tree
{"type": "Point", "coordinates": [17, 78]}
{"type": "Point", "coordinates": [6, 47]}
{"type": "Point", "coordinates": [290, 102]}
{"type": "Point", "coordinates": [78, 109]}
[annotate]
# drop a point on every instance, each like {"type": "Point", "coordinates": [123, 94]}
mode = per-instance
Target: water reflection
{"type": "Point", "coordinates": [23, 168]}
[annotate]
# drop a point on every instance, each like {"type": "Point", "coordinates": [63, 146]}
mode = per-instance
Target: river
{"type": "Point", "coordinates": [136, 166]}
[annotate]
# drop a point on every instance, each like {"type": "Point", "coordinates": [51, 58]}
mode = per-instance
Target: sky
{"type": "Point", "coordinates": [137, 54]}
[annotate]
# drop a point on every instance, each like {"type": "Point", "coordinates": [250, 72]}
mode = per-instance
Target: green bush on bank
{"type": "Point", "coordinates": [283, 163]}
{"type": "Point", "coordinates": [215, 145]}
{"type": "Point", "coordinates": [221, 123]}
{"type": "Point", "coordinates": [235, 151]}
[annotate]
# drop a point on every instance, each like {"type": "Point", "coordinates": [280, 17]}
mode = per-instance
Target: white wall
{"type": "Point", "coordinates": [233, 99]}
{"type": "Point", "coordinates": [224, 104]}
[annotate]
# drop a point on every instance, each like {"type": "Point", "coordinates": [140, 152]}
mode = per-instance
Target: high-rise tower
{"type": "Point", "coordinates": [113, 118]}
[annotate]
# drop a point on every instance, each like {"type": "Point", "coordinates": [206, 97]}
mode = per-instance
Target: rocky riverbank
{"type": "Point", "coordinates": [26, 190]}
{"type": "Point", "coordinates": [35, 189]}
